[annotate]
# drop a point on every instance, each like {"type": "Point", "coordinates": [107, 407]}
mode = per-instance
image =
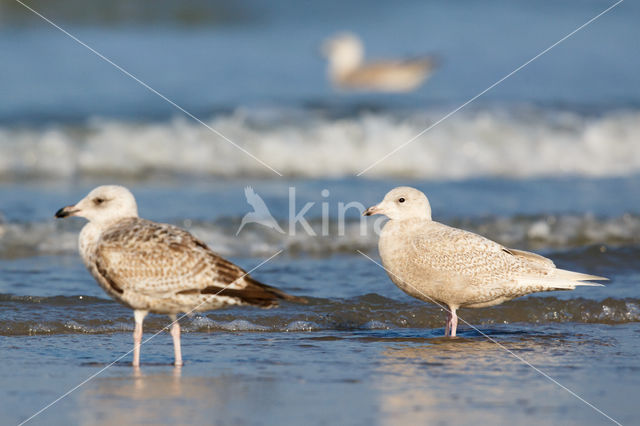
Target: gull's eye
{"type": "Point", "coordinates": [401, 200]}
{"type": "Point", "coordinates": [98, 201]}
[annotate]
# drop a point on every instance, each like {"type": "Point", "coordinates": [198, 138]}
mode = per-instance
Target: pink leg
{"type": "Point", "coordinates": [447, 326]}
{"type": "Point", "coordinates": [137, 335]}
{"type": "Point", "coordinates": [454, 322]}
{"type": "Point", "coordinates": [175, 334]}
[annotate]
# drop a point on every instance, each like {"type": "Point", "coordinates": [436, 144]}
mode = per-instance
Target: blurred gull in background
{"type": "Point", "coordinates": [348, 71]}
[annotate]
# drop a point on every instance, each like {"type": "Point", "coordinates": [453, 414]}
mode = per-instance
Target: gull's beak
{"type": "Point", "coordinates": [372, 210]}
{"type": "Point", "coordinates": [67, 211]}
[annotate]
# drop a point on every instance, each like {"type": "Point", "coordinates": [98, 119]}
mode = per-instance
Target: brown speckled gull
{"type": "Point", "coordinates": [155, 267]}
{"type": "Point", "coordinates": [456, 268]}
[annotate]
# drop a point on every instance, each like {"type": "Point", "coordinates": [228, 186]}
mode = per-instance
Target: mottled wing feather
{"type": "Point", "coordinates": [161, 260]}
{"type": "Point", "coordinates": [532, 257]}
{"type": "Point", "coordinates": [476, 259]}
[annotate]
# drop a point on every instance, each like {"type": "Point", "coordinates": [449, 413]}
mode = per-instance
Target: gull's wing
{"type": "Point", "coordinates": [430, 62]}
{"type": "Point", "coordinates": [455, 252]}
{"type": "Point", "coordinates": [531, 257]}
{"type": "Point", "coordinates": [407, 74]}
{"type": "Point", "coordinates": [480, 261]}
{"type": "Point", "coordinates": [160, 260]}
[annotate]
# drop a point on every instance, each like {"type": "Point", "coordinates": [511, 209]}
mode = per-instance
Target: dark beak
{"type": "Point", "coordinates": [66, 211]}
{"type": "Point", "coordinates": [371, 211]}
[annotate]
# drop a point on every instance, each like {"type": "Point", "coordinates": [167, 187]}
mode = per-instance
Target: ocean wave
{"type": "Point", "coordinates": [528, 232]}
{"type": "Point", "coordinates": [521, 143]}
{"type": "Point", "coordinates": [25, 315]}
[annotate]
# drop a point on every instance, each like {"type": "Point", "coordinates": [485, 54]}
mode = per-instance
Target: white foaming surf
{"type": "Point", "coordinates": [533, 143]}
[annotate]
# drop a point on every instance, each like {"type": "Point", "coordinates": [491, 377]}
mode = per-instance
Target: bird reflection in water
{"type": "Point", "coordinates": [429, 382]}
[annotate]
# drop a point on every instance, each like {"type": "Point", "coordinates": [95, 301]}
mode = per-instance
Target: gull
{"type": "Point", "coordinates": [347, 69]}
{"type": "Point", "coordinates": [260, 214]}
{"type": "Point", "coordinates": [455, 268]}
{"type": "Point", "coordinates": [156, 267]}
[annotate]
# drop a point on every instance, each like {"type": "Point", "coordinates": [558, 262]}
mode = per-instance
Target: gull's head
{"type": "Point", "coordinates": [105, 204]}
{"type": "Point", "coordinates": [344, 51]}
{"type": "Point", "coordinates": [402, 203]}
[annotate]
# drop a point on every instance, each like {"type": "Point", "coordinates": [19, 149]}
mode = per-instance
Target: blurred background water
{"type": "Point", "coordinates": [549, 161]}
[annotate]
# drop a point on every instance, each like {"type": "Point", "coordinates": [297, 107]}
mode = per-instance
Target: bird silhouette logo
{"type": "Point", "coordinates": [260, 213]}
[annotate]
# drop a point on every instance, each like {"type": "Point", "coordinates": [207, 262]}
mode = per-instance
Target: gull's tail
{"type": "Point", "coordinates": [569, 280]}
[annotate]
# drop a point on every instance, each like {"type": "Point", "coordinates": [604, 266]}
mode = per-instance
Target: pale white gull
{"type": "Point", "coordinates": [349, 71]}
{"type": "Point", "coordinates": [156, 267]}
{"type": "Point", "coordinates": [455, 268]}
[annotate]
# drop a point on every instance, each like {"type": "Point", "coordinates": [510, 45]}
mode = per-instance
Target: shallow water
{"type": "Point", "coordinates": [401, 376]}
{"type": "Point", "coordinates": [360, 352]}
